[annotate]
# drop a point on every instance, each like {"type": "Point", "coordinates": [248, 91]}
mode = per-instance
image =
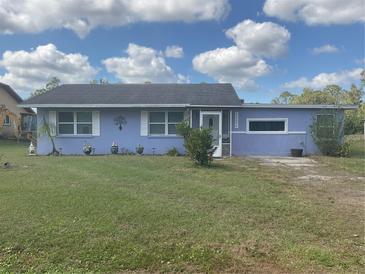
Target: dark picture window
{"type": "Point", "coordinates": [262, 126]}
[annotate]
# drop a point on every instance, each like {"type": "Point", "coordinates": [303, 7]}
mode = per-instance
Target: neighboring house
{"type": "Point", "coordinates": [14, 120]}
{"type": "Point", "coordinates": [148, 113]}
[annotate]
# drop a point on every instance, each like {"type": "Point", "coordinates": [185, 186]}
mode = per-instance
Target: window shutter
{"type": "Point", "coordinates": [52, 121]}
{"type": "Point", "coordinates": [144, 123]}
{"type": "Point", "coordinates": [96, 123]}
{"type": "Point", "coordinates": [236, 120]}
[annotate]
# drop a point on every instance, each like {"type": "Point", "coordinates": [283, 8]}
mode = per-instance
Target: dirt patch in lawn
{"type": "Point", "coordinates": [296, 163]}
{"type": "Point", "coordinates": [338, 186]}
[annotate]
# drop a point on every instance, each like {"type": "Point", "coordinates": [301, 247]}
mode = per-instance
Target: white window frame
{"type": "Point", "coordinates": [166, 123]}
{"type": "Point", "coordinates": [74, 123]}
{"type": "Point", "coordinates": [7, 120]}
{"type": "Point", "coordinates": [248, 120]}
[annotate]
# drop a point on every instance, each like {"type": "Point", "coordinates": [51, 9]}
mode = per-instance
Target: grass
{"type": "Point", "coordinates": [161, 214]}
{"type": "Point", "coordinates": [356, 163]}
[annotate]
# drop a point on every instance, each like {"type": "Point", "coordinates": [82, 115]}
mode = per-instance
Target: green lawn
{"type": "Point", "coordinates": [356, 163]}
{"type": "Point", "coordinates": [162, 214]}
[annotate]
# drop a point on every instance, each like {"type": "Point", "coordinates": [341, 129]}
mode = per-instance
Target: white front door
{"type": "Point", "coordinates": [213, 120]}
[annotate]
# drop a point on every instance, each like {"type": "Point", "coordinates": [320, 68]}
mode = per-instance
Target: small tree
{"type": "Point", "coordinates": [47, 129]}
{"type": "Point", "coordinates": [52, 83]}
{"type": "Point", "coordinates": [197, 142]}
{"type": "Point", "coordinates": [327, 131]}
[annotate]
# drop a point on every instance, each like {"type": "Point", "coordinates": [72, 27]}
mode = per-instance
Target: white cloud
{"type": "Point", "coordinates": [28, 70]}
{"type": "Point", "coordinates": [31, 16]}
{"type": "Point", "coordinates": [321, 80]}
{"type": "Point", "coordinates": [233, 65]}
{"type": "Point", "coordinates": [240, 64]}
{"type": "Point", "coordinates": [174, 52]}
{"type": "Point", "coordinates": [325, 49]}
{"type": "Point", "coordinates": [142, 64]}
{"type": "Point", "coordinates": [261, 39]}
{"type": "Point", "coordinates": [317, 12]}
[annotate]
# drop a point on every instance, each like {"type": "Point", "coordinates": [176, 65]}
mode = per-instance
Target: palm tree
{"type": "Point", "coordinates": [47, 129]}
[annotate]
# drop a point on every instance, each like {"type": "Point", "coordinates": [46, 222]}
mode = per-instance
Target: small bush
{"type": "Point", "coordinates": [327, 131]}
{"type": "Point", "coordinates": [173, 152]}
{"type": "Point", "coordinates": [343, 150]}
{"type": "Point", "coordinates": [197, 142]}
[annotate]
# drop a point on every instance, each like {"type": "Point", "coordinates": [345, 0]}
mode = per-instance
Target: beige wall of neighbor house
{"type": "Point", "coordinates": [10, 114]}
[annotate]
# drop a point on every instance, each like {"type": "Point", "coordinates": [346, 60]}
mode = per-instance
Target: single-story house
{"type": "Point", "coordinates": [14, 120]}
{"type": "Point", "coordinates": [147, 114]}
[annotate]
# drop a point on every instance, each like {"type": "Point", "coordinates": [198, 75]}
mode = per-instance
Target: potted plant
{"type": "Point", "coordinates": [297, 152]}
{"type": "Point", "coordinates": [139, 150]}
{"type": "Point", "coordinates": [87, 149]}
{"type": "Point", "coordinates": [114, 149]}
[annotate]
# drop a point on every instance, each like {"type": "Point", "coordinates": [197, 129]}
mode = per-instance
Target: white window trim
{"type": "Point", "coordinates": [248, 120]}
{"type": "Point", "coordinates": [7, 123]}
{"type": "Point", "coordinates": [74, 123]}
{"type": "Point", "coordinates": [166, 123]}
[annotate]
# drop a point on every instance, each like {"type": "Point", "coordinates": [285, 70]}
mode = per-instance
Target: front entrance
{"type": "Point", "coordinates": [213, 120]}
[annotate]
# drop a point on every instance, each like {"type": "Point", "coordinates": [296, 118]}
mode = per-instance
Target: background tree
{"type": "Point", "coordinates": [332, 95]}
{"type": "Point", "coordinates": [53, 83]}
{"type": "Point", "coordinates": [284, 98]}
{"type": "Point", "coordinates": [101, 81]}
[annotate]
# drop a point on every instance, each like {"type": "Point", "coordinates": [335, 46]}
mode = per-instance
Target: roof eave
{"type": "Point", "coordinates": [101, 105]}
{"type": "Point", "coordinates": [278, 106]}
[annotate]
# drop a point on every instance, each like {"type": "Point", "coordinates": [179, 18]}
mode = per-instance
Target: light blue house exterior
{"type": "Point", "coordinates": [238, 129]}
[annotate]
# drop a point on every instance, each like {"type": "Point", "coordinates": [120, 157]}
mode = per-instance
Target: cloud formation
{"type": "Point", "coordinates": [241, 63]}
{"type": "Point", "coordinates": [174, 52]}
{"type": "Point", "coordinates": [141, 65]}
{"type": "Point", "coordinates": [29, 70]}
{"type": "Point", "coordinates": [33, 16]}
{"type": "Point", "coordinates": [261, 39]}
{"type": "Point", "coordinates": [321, 80]}
{"type": "Point", "coordinates": [325, 49]}
{"type": "Point", "coordinates": [315, 12]}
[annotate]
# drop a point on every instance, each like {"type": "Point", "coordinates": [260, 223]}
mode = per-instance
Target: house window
{"type": "Point", "coordinates": [164, 122]}
{"type": "Point", "coordinates": [84, 122]}
{"type": "Point", "coordinates": [7, 120]}
{"type": "Point", "coordinates": [75, 123]}
{"type": "Point", "coordinates": [267, 125]}
{"type": "Point", "coordinates": [325, 124]}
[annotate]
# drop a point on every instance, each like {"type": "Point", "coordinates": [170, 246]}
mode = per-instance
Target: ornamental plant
{"type": "Point", "coordinates": [198, 143]}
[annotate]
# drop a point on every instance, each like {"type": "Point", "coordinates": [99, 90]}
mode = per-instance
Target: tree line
{"type": "Point", "coordinates": [332, 95]}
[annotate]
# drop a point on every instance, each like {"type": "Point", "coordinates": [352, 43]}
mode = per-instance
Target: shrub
{"type": "Point", "coordinates": [327, 131]}
{"type": "Point", "coordinates": [343, 150]}
{"type": "Point", "coordinates": [173, 152]}
{"type": "Point", "coordinates": [197, 142]}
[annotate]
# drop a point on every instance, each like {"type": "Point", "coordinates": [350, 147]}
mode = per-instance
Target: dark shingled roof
{"type": "Point", "coordinates": [160, 94]}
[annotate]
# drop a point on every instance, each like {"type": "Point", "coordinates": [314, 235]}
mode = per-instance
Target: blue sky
{"type": "Point", "coordinates": [273, 48]}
